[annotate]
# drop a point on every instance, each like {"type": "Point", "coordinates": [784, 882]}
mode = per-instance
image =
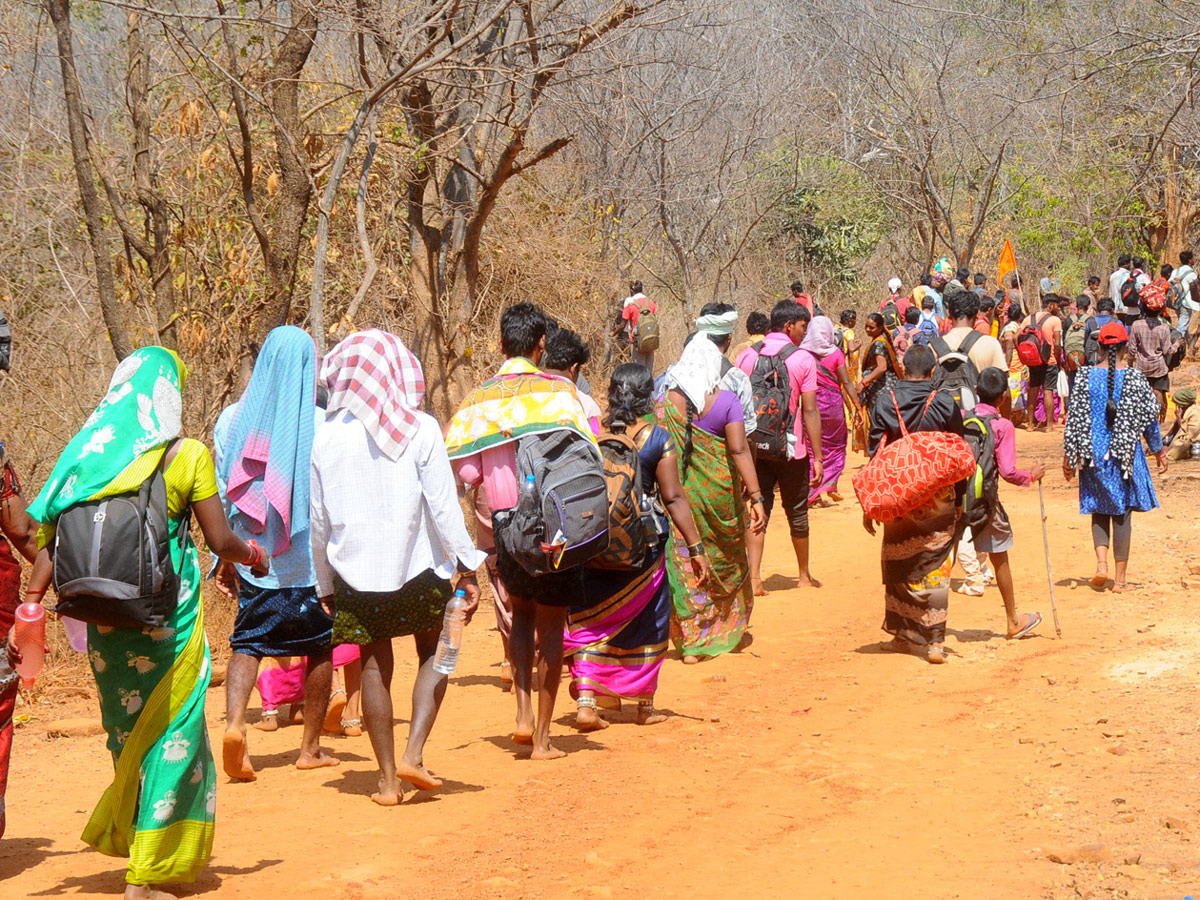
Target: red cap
{"type": "Point", "coordinates": [1113, 333]}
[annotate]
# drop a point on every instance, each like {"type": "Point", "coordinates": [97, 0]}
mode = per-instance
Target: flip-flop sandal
{"type": "Point", "coordinates": [895, 645]}
{"type": "Point", "coordinates": [935, 655]}
{"type": "Point", "coordinates": [1035, 619]}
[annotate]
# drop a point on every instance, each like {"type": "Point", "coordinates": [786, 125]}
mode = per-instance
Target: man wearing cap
{"type": "Point", "coordinates": [1185, 433]}
{"type": "Point", "coordinates": [716, 323]}
{"type": "Point", "coordinates": [902, 301]}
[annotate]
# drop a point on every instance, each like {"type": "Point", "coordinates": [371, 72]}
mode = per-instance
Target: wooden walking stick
{"type": "Point", "coordinates": [1049, 573]}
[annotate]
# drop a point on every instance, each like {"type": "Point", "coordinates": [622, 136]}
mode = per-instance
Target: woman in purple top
{"type": "Point", "coordinates": [708, 427]}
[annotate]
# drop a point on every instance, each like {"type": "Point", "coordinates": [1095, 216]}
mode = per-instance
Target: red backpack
{"type": "Point", "coordinates": [1032, 347]}
{"type": "Point", "coordinates": [1154, 295]}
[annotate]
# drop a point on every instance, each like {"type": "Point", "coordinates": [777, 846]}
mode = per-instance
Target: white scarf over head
{"type": "Point", "coordinates": [698, 371]}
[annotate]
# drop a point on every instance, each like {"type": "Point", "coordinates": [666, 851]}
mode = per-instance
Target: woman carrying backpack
{"type": "Point", "coordinates": [1113, 409]}
{"type": "Point", "coordinates": [159, 810]}
{"type": "Point", "coordinates": [616, 637]}
{"type": "Point", "coordinates": [834, 391]}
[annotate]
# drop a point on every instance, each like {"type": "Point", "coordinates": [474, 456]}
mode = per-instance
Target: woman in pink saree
{"type": "Point", "coordinates": [833, 378]}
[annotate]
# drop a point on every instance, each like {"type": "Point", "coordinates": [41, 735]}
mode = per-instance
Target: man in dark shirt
{"type": "Point", "coordinates": [912, 397]}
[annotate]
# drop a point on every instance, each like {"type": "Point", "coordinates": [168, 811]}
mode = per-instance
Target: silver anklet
{"type": "Point", "coordinates": [586, 702]}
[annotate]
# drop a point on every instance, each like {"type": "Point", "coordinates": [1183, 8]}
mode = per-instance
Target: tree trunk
{"type": "Point", "coordinates": [110, 306]}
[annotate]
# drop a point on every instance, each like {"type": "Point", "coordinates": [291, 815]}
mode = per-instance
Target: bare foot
{"type": "Point", "coordinates": [321, 760]}
{"type": "Point", "coordinates": [550, 752]}
{"type": "Point", "coordinates": [235, 755]}
{"type": "Point", "coordinates": [935, 654]}
{"type": "Point", "coordinates": [269, 722]}
{"type": "Point", "coordinates": [691, 660]}
{"type": "Point", "coordinates": [759, 590]}
{"type": "Point", "coordinates": [295, 715]}
{"type": "Point", "coordinates": [417, 776]}
{"type": "Point", "coordinates": [523, 736]}
{"type": "Point", "coordinates": [807, 581]}
{"type": "Point", "coordinates": [587, 719]}
{"type": "Point", "coordinates": [835, 496]}
{"type": "Point", "coordinates": [351, 727]}
{"type": "Point", "coordinates": [333, 715]}
{"type": "Point", "coordinates": [646, 715]}
{"type": "Point", "coordinates": [1100, 579]}
{"type": "Point", "coordinates": [388, 794]}
{"type": "Point", "coordinates": [145, 892]}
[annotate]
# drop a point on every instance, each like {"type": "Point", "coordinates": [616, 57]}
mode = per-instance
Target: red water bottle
{"type": "Point", "coordinates": [30, 638]}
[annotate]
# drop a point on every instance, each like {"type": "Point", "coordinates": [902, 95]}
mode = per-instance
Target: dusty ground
{"type": "Point", "coordinates": [810, 764]}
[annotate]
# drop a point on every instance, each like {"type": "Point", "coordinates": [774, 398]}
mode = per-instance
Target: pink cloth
{"type": "Point", "coordinates": [1006, 447]}
{"type": "Point", "coordinates": [496, 469]}
{"type": "Point", "coordinates": [802, 372]}
{"type": "Point", "coordinates": [282, 679]}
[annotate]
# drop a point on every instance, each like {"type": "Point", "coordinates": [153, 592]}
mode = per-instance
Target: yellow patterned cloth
{"type": "Point", "coordinates": [519, 400]}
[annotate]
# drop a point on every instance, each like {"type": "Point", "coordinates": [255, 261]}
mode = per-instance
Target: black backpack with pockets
{"type": "Point", "coordinates": [112, 557]}
{"type": "Point", "coordinates": [956, 372]}
{"type": "Point", "coordinates": [982, 493]}
{"type": "Point", "coordinates": [772, 389]}
{"type": "Point", "coordinates": [569, 522]}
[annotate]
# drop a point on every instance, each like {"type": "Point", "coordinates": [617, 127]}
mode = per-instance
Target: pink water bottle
{"type": "Point", "coordinates": [30, 638]}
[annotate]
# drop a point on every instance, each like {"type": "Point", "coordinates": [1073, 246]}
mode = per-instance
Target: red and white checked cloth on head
{"type": "Point", "coordinates": [374, 377]}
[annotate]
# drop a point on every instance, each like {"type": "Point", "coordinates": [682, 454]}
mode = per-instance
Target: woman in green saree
{"type": "Point", "coordinates": [708, 424]}
{"type": "Point", "coordinates": [159, 810]}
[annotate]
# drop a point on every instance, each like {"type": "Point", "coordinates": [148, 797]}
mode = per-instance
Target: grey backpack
{"type": "Point", "coordinates": [112, 558]}
{"type": "Point", "coordinates": [565, 521]}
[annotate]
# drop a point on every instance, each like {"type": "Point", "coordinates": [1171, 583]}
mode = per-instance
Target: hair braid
{"type": "Point", "coordinates": [1110, 408]}
{"type": "Point", "coordinates": [686, 459]}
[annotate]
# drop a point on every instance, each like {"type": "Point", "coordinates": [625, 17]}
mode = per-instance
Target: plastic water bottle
{"type": "Point", "coordinates": [446, 658]}
{"type": "Point", "coordinates": [30, 638]}
{"type": "Point", "coordinates": [528, 503]}
{"type": "Point", "coordinates": [76, 633]}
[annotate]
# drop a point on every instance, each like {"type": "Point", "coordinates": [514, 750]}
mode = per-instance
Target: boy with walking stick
{"type": "Point", "coordinates": [995, 537]}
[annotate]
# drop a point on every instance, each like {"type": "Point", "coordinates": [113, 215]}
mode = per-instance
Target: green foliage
{"type": "Point", "coordinates": [831, 221]}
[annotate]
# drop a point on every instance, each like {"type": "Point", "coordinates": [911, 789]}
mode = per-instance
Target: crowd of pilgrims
{"type": "Point", "coordinates": [307, 504]}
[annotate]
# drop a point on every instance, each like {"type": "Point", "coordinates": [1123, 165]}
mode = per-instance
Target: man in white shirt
{"type": "Point", "coordinates": [1189, 305]}
{"type": "Point", "coordinates": [1118, 278]}
{"type": "Point", "coordinates": [986, 351]}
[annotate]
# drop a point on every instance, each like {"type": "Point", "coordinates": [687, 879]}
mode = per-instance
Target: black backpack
{"type": "Point", "coordinates": [956, 372]}
{"type": "Point", "coordinates": [5, 344]}
{"type": "Point", "coordinates": [891, 317]}
{"type": "Point", "coordinates": [1178, 349]}
{"type": "Point", "coordinates": [1091, 345]}
{"type": "Point", "coordinates": [568, 524]}
{"type": "Point", "coordinates": [982, 491]}
{"type": "Point", "coordinates": [772, 389]}
{"type": "Point", "coordinates": [1130, 295]}
{"type": "Point", "coordinates": [112, 557]}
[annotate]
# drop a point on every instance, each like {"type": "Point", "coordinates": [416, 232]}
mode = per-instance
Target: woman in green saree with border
{"type": "Point", "coordinates": [159, 810]}
{"type": "Point", "coordinates": [715, 462]}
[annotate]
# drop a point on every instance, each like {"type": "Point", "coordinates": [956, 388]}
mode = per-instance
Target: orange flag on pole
{"type": "Point", "coordinates": [1008, 262]}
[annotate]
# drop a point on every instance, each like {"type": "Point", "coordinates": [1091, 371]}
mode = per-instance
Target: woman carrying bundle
{"type": "Point", "coordinates": [616, 639]}
{"type": "Point", "coordinates": [918, 547]}
{"type": "Point", "coordinates": [159, 810]}
{"type": "Point", "coordinates": [1112, 410]}
{"type": "Point", "coordinates": [709, 428]}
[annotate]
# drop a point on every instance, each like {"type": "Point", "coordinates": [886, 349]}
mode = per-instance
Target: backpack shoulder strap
{"type": "Point", "coordinates": [972, 338]}
{"type": "Point", "coordinates": [940, 347]}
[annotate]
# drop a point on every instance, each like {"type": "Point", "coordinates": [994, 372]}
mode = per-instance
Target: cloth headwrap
{"type": "Point", "coordinates": [123, 439]}
{"type": "Point", "coordinates": [943, 270]}
{"type": "Point", "coordinates": [698, 370]}
{"type": "Point", "coordinates": [720, 324]}
{"type": "Point", "coordinates": [375, 378]}
{"type": "Point", "coordinates": [266, 458]}
{"type": "Point", "coordinates": [1184, 397]}
{"type": "Point", "coordinates": [819, 340]}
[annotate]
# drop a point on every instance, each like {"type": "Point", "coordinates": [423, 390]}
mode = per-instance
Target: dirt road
{"type": "Point", "coordinates": [809, 765]}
